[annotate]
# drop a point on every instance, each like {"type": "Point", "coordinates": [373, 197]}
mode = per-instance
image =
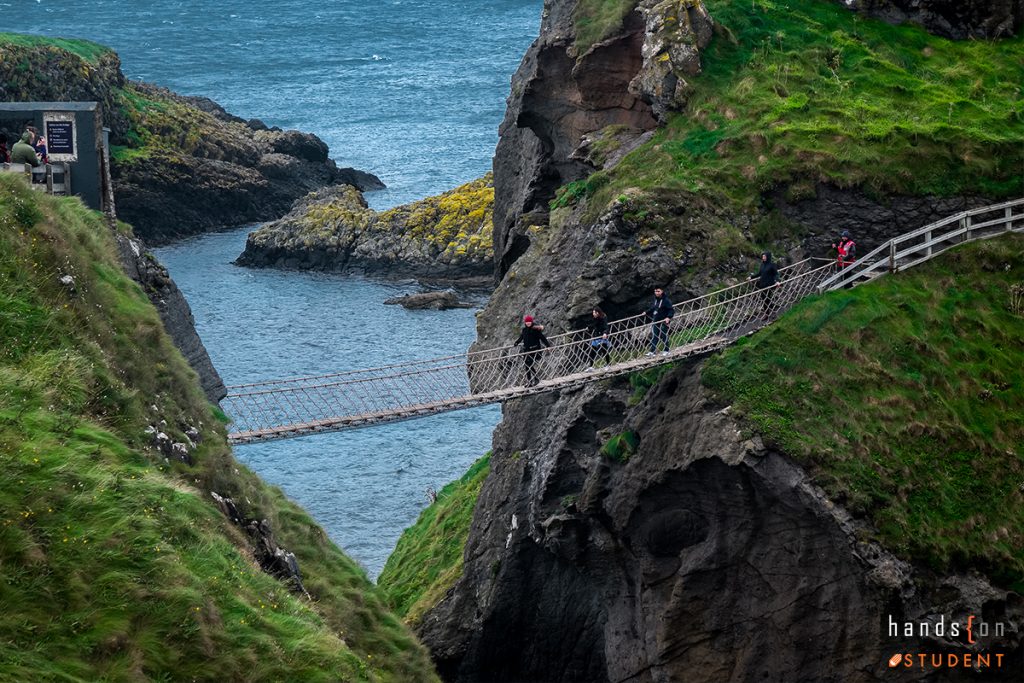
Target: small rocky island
{"type": "Point", "coordinates": [442, 238]}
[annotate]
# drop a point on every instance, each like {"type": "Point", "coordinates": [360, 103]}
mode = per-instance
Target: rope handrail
{"type": "Point", "coordinates": [564, 342]}
{"type": "Point", "coordinates": [355, 398]}
{"type": "Point", "coordinates": [484, 352]}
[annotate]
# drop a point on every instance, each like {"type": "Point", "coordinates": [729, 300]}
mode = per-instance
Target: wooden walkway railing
{"type": "Point", "coordinates": [301, 406]}
{"type": "Point", "coordinates": [918, 246]}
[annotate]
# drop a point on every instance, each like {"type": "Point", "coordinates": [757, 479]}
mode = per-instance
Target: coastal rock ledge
{"type": "Point", "coordinates": [446, 237]}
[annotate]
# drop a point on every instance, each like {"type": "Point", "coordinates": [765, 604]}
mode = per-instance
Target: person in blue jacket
{"type": "Point", "coordinates": [660, 313]}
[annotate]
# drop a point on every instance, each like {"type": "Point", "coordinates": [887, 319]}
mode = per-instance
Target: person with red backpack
{"type": "Point", "coordinates": [846, 248]}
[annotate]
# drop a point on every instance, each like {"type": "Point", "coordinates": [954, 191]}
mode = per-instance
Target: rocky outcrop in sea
{"type": "Point", "coordinates": [441, 238]}
{"type": "Point", "coordinates": [202, 168]}
{"type": "Point", "coordinates": [181, 165]}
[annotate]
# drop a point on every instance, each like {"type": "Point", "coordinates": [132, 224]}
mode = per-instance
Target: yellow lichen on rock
{"type": "Point", "coordinates": [453, 230]}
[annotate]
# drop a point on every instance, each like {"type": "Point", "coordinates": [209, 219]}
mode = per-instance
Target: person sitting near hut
{"type": "Point", "coordinates": [5, 155]}
{"type": "Point", "coordinates": [23, 152]}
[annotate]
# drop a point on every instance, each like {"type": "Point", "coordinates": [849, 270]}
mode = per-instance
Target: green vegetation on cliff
{"type": "Point", "coordinates": [86, 49]}
{"type": "Point", "coordinates": [428, 558]}
{"type": "Point", "coordinates": [116, 564]}
{"type": "Point", "coordinates": [595, 20]}
{"type": "Point", "coordinates": [905, 397]}
{"type": "Point", "coordinates": [797, 92]}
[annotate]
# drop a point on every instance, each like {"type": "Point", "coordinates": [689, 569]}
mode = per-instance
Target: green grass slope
{"type": "Point", "coordinates": [428, 558]}
{"type": "Point", "coordinates": [86, 49]}
{"type": "Point", "coordinates": [114, 564]}
{"type": "Point", "coordinates": [905, 397]}
{"type": "Point", "coordinates": [796, 92]}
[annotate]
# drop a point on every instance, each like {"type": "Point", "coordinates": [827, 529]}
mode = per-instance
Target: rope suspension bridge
{"type": "Point", "coordinates": [300, 406]}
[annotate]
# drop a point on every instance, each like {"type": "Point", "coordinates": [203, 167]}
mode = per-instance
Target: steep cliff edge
{"type": "Point", "coordinates": [658, 537]}
{"type": "Point", "coordinates": [642, 531]}
{"type": "Point", "coordinates": [132, 545]}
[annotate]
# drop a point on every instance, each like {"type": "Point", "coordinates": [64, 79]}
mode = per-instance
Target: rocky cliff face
{"type": "Point", "coordinates": [704, 556]}
{"type": "Point", "coordinates": [174, 311]}
{"type": "Point", "coordinates": [558, 96]}
{"type": "Point", "coordinates": [698, 553]}
{"type": "Point", "coordinates": [200, 168]}
{"type": "Point", "coordinates": [447, 237]}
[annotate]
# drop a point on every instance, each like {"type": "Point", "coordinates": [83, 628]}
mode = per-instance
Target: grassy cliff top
{"type": "Point", "coordinates": [86, 49]}
{"type": "Point", "coordinates": [797, 92]}
{"type": "Point", "coordinates": [427, 560]}
{"type": "Point", "coordinates": [116, 565]}
{"type": "Point", "coordinates": [906, 398]}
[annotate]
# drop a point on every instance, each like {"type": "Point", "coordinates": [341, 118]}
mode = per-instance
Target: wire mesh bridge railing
{"type": "Point", "coordinates": [307, 405]}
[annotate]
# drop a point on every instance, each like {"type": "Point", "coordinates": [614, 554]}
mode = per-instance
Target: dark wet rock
{"type": "Point", "coordinates": [958, 19]}
{"type": "Point", "coordinates": [229, 174]}
{"type": "Point", "coordinates": [272, 558]}
{"type": "Point", "coordinates": [437, 301]}
{"type": "Point", "coordinates": [558, 96]}
{"type": "Point", "coordinates": [697, 555]}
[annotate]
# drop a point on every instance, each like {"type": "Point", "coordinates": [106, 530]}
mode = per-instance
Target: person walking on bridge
{"type": "Point", "coordinates": [767, 280]}
{"type": "Point", "coordinates": [532, 338]}
{"type": "Point", "coordinates": [600, 346]}
{"type": "Point", "coordinates": [660, 313]}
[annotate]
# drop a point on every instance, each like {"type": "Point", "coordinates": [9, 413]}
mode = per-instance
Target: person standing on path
{"type": "Point", "coordinates": [660, 313]}
{"type": "Point", "coordinates": [532, 339]}
{"type": "Point", "coordinates": [767, 280]}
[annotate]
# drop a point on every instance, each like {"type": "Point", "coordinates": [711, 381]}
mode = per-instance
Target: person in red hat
{"type": "Point", "coordinates": [532, 338]}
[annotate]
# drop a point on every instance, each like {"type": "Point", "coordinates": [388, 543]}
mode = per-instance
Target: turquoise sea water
{"type": "Point", "coordinates": [412, 90]}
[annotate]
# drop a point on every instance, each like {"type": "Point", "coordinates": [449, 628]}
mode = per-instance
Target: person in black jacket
{"type": "Point", "coordinates": [600, 346]}
{"type": "Point", "coordinates": [660, 313]}
{"type": "Point", "coordinates": [767, 279]}
{"type": "Point", "coordinates": [532, 338]}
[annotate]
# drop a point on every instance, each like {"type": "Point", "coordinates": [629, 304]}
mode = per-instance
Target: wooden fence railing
{"type": "Point", "coordinates": [53, 178]}
{"type": "Point", "coordinates": [918, 246]}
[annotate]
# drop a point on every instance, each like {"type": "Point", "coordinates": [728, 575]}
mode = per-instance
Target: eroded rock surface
{"type": "Point", "coordinates": [957, 19]}
{"type": "Point", "coordinates": [704, 557]}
